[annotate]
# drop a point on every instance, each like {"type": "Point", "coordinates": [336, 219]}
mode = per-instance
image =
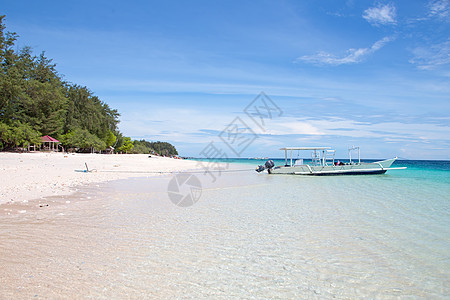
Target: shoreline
{"type": "Point", "coordinates": [30, 176]}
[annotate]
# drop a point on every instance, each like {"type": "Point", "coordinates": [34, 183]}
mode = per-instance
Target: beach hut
{"type": "Point", "coordinates": [109, 150]}
{"type": "Point", "coordinates": [50, 143]}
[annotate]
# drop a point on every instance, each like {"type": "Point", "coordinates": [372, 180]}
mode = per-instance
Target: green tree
{"type": "Point", "coordinates": [32, 92]}
{"type": "Point", "coordinates": [35, 100]}
{"type": "Point", "coordinates": [127, 145]}
{"type": "Point", "coordinates": [82, 139]}
{"type": "Point", "coordinates": [110, 139]}
{"type": "Point", "coordinates": [18, 135]}
{"type": "Point", "coordinates": [6, 136]}
{"type": "Point", "coordinates": [164, 148]}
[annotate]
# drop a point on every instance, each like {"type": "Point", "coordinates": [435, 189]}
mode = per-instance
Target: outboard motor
{"type": "Point", "coordinates": [269, 164]}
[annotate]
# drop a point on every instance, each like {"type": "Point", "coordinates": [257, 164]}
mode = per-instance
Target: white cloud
{"type": "Point", "coordinates": [381, 15]}
{"type": "Point", "coordinates": [174, 124]}
{"type": "Point", "coordinates": [439, 8]}
{"type": "Point", "coordinates": [291, 126]}
{"type": "Point", "coordinates": [181, 127]}
{"type": "Point", "coordinates": [342, 127]}
{"type": "Point", "coordinates": [353, 55]}
{"type": "Point", "coordinates": [431, 57]}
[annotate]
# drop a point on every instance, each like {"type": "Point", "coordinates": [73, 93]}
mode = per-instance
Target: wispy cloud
{"type": "Point", "coordinates": [439, 8]}
{"type": "Point", "coordinates": [352, 55]}
{"type": "Point", "coordinates": [381, 15]}
{"type": "Point", "coordinates": [432, 57]}
{"type": "Point", "coordinates": [348, 128]}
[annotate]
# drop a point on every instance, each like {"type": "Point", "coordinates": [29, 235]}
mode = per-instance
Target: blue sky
{"type": "Point", "coordinates": [368, 73]}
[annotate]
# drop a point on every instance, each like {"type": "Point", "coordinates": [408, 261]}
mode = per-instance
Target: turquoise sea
{"type": "Point", "coordinates": [246, 235]}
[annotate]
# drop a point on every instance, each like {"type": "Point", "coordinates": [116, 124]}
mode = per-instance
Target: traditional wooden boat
{"type": "Point", "coordinates": [323, 163]}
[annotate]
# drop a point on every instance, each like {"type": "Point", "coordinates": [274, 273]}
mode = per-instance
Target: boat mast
{"type": "Point", "coordinates": [285, 157]}
{"type": "Point", "coordinates": [359, 157]}
{"type": "Point", "coordinates": [291, 157]}
{"type": "Point", "coordinates": [350, 153]}
{"type": "Point", "coordinates": [323, 158]}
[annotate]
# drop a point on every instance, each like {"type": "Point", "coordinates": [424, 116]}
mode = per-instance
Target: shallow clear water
{"type": "Point", "coordinates": [249, 236]}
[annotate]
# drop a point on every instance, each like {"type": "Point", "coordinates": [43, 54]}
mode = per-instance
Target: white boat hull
{"type": "Point", "coordinates": [379, 167]}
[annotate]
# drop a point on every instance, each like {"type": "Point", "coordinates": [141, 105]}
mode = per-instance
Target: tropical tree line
{"type": "Point", "coordinates": [36, 101]}
{"type": "Point", "coordinates": [158, 148]}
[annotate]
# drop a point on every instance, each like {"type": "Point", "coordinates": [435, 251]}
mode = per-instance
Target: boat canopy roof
{"type": "Point", "coordinates": [305, 148]}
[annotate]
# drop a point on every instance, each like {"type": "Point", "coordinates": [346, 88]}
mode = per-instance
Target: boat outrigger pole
{"type": "Point", "coordinates": [350, 149]}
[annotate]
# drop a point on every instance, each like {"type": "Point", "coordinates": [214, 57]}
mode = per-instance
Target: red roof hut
{"type": "Point", "coordinates": [50, 143]}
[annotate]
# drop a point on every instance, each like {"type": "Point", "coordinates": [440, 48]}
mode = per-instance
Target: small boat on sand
{"type": "Point", "coordinates": [323, 163]}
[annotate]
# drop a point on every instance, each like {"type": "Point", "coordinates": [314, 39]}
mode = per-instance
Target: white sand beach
{"type": "Point", "coordinates": [27, 176]}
